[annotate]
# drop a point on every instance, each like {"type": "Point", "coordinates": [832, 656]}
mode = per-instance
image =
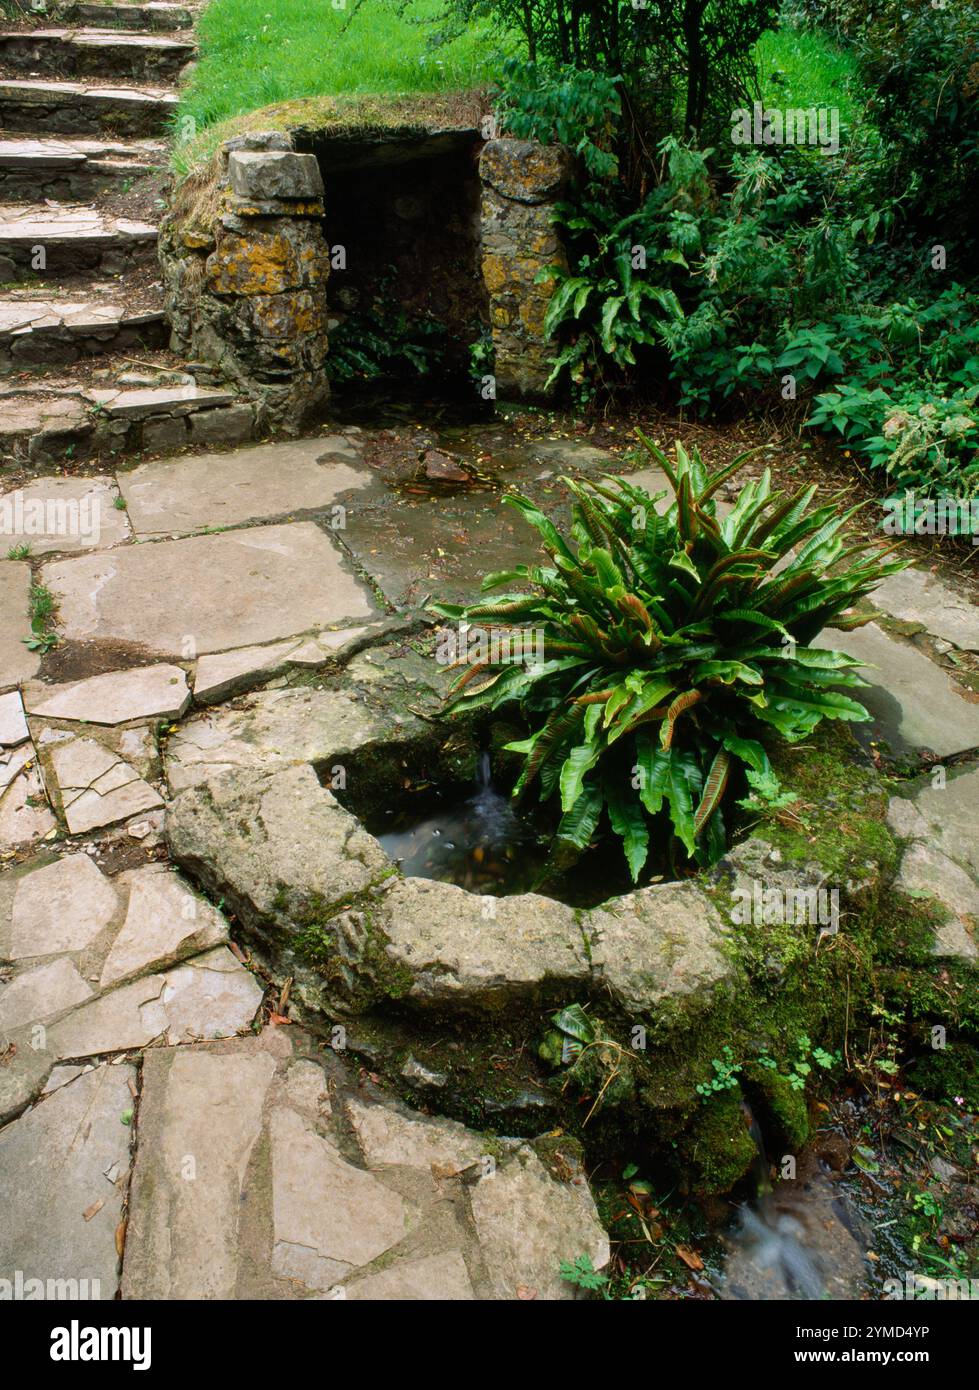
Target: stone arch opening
{"type": "Point", "coordinates": [405, 294]}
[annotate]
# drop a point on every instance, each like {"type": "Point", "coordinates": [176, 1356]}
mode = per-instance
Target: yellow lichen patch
{"type": "Point", "coordinates": [495, 273]}
{"type": "Point", "coordinates": [262, 263]}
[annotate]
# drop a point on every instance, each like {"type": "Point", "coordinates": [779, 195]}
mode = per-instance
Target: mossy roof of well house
{"type": "Point", "coordinates": [346, 115]}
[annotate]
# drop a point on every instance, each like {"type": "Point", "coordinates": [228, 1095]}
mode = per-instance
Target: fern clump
{"type": "Point", "coordinates": [667, 647]}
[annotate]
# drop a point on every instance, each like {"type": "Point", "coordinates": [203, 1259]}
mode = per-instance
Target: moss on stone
{"type": "Point", "coordinates": [717, 1147]}
{"type": "Point", "coordinates": [839, 818]}
{"type": "Point", "coordinates": [780, 1109]}
{"type": "Point", "coordinates": [947, 1073]}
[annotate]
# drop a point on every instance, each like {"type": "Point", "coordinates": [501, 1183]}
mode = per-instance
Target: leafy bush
{"type": "Point", "coordinates": [602, 309]}
{"type": "Point", "coordinates": [671, 648]}
{"type": "Point", "coordinates": [762, 283]}
{"type": "Point", "coordinates": [685, 63]}
{"type": "Point", "coordinates": [920, 62]}
{"type": "Point", "coordinates": [566, 105]}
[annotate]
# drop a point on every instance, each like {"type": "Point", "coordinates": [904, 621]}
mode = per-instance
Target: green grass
{"type": "Point", "coordinates": [804, 68]}
{"type": "Point", "coordinates": [258, 52]}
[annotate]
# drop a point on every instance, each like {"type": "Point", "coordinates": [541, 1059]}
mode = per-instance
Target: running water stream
{"type": "Point", "coordinates": [797, 1238]}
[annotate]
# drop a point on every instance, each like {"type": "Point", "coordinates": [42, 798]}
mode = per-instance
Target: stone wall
{"type": "Point", "coordinates": [246, 281]}
{"type": "Point", "coordinates": [246, 266]}
{"type": "Point", "coordinates": [521, 183]}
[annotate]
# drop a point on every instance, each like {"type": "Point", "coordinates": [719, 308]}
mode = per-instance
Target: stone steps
{"type": "Point", "coordinates": [152, 16]}
{"type": "Point", "coordinates": [72, 170]}
{"type": "Point", "coordinates": [95, 53]}
{"type": "Point", "coordinates": [78, 108]}
{"type": "Point", "coordinates": [45, 242]}
{"type": "Point", "coordinates": [43, 426]}
{"type": "Point", "coordinates": [47, 333]}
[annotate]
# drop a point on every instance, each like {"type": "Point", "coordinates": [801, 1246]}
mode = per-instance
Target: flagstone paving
{"type": "Point", "coordinates": [64, 515]}
{"type": "Point", "coordinates": [209, 593]}
{"type": "Point", "coordinates": [255, 484]}
{"type": "Point", "coordinates": [307, 1181]}
{"type": "Point", "coordinates": [145, 692]}
{"type": "Point", "coordinates": [305, 1187]}
{"type": "Point", "coordinates": [914, 703]}
{"type": "Point", "coordinates": [229, 622]}
{"type": "Point", "coordinates": [17, 662]}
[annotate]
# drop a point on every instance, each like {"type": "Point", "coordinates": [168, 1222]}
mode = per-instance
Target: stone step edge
{"type": "Point", "coordinates": [179, 16]}
{"type": "Point", "coordinates": [49, 156]}
{"type": "Point", "coordinates": [23, 90]}
{"type": "Point", "coordinates": [67, 330]}
{"type": "Point", "coordinates": [132, 403]}
{"type": "Point", "coordinates": [124, 39]}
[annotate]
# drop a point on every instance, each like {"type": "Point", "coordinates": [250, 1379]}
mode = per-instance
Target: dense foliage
{"type": "Point", "coordinates": [673, 643]}
{"type": "Point", "coordinates": [839, 291]}
{"type": "Point", "coordinates": [683, 62]}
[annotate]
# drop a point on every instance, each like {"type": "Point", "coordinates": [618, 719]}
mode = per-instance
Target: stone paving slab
{"type": "Point", "coordinates": [24, 90]}
{"type": "Point", "coordinates": [67, 153]}
{"type": "Point", "coordinates": [165, 922]}
{"type": "Point", "coordinates": [211, 996]}
{"type": "Point", "coordinates": [142, 692]}
{"type": "Point", "coordinates": [154, 15]}
{"type": "Point", "coordinates": [68, 225]}
{"type": "Point", "coordinates": [64, 1167]}
{"type": "Point", "coordinates": [951, 814]}
{"type": "Point", "coordinates": [50, 417]}
{"type": "Point", "coordinates": [522, 1217]}
{"type": "Point", "coordinates": [13, 725]}
{"type": "Point", "coordinates": [209, 593]}
{"type": "Point", "coordinates": [37, 995]}
{"type": "Point", "coordinates": [159, 400]}
{"type": "Point", "coordinates": [425, 550]}
{"type": "Point", "coordinates": [25, 816]}
{"type": "Point", "coordinates": [95, 38]}
{"type": "Point", "coordinates": [914, 596]}
{"type": "Point", "coordinates": [913, 703]}
{"type": "Point", "coordinates": [55, 909]}
{"type": "Point", "coordinates": [96, 787]}
{"type": "Point", "coordinates": [226, 673]}
{"type": "Point", "coordinates": [67, 515]}
{"type": "Point", "coordinates": [252, 484]}
{"type": "Point", "coordinates": [925, 870]}
{"type": "Point", "coordinates": [205, 1107]}
{"type": "Point", "coordinates": [17, 662]}
{"type": "Point", "coordinates": [286, 1204]}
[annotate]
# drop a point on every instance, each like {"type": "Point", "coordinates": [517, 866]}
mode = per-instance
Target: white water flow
{"type": "Point", "coordinates": [795, 1240]}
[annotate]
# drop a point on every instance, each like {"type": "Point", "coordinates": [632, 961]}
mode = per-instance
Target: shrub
{"type": "Point", "coordinates": [671, 649]}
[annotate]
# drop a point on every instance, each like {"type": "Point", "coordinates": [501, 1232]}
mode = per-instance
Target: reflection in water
{"type": "Point", "coordinates": [478, 843]}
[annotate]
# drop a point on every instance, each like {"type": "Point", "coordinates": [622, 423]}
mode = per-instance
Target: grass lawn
{"type": "Point", "coordinates": [803, 68]}
{"type": "Point", "coordinates": [258, 52]}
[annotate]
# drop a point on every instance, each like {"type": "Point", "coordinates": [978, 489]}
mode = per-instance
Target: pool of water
{"type": "Point", "coordinates": [478, 842]}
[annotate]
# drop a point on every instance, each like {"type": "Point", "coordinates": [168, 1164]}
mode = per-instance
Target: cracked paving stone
{"type": "Point", "coordinates": [144, 692]}
{"type": "Point", "coordinates": [13, 725]}
{"type": "Point", "coordinates": [40, 994]}
{"type": "Point", "coordinates": [211, 996]}
{"type": "Point", "coordinates": [97, 788]}
{"type": "Point", "coordinates": [164, 922]}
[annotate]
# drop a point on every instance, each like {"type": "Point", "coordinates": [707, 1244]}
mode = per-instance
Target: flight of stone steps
{"type": "Point", "coordinates": [87, 95]}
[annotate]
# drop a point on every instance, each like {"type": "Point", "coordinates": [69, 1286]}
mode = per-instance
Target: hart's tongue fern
{"type": "Point", "coordinates": [671, 648]}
